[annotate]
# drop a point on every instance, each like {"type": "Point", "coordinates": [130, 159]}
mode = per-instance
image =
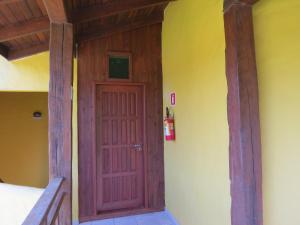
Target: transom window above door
{"type": "Point", "coordinates": [119, 66]}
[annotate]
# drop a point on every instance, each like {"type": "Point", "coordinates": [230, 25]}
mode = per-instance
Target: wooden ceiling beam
{"type": "Point", "coordinates": [3, 51]}
{"type": "Point", "coordinates": [57, 10]}
{"type": "Point", "coordinates": [109, 30]}
{"type": "Point", "coordinates": [109, 9]}
{"type": "Point", "coordinates": [4, 2]}
{"type": "Point", "coordinates": [24, 29]}
{"type": "Point", "coordinates": [22, 53]}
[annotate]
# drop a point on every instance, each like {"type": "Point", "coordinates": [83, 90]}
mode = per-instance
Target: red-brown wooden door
{"type": "Point", "coordinates": [119, 147]}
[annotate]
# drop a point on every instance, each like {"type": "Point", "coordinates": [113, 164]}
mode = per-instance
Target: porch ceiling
{"type": "Point", "coordinates": [25, 24]}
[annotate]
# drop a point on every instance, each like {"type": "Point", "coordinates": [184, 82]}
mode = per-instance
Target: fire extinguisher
{"type": "Point", "coordinates": [169, 126]}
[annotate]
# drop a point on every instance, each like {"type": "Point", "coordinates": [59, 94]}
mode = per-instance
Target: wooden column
{"type": "Point", "coordinates": [60, 111]}
{"type": "Point", "coordinates": [243, 115]}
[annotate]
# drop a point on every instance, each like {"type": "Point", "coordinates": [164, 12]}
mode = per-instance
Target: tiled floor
{"type": "Point", "coordinates": [160, 218]}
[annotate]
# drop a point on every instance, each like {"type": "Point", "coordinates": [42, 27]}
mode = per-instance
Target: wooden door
{"type": "Point", "coordinates": [119, 147]}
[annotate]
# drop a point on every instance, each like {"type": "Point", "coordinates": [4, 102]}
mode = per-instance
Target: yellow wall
{"type": "Point", "coordinates": [196, 165]}
{"type": "Point", "coordinates": [75, 147]}
{"type": "Point", "coordinates": [23, 140]}
{"type": "Point", "coordinates": [277, 33]}
{"type": "Point", "coordinates": [197, 184]}
{"type": "Point", "coordinates": [29, 74]}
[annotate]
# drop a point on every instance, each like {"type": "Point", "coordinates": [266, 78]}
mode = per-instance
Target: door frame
{"type": "Point", "coordinates": [124, 212]}
{"type": "Point", "coordinates": [92, 69]}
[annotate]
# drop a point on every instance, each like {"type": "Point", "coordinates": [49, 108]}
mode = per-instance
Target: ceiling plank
{"type": "Point", "coordinates": [109, 30]}
{"type": "Point", "coordinates": [109, 9]}
{"type": "Point", "coordinates": [22, 53]}
{"type": "Point", "coordinates": [57, 11]}
{"type": "Point", "coordinates": [3, 51]}
{"type": "Point", "coordinates": [27, 28]}
{"type": "Point", "coordinates": [40, 4]}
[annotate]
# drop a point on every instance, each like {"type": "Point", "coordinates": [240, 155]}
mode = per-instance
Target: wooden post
{"type": "Point", "coordinates": [243, 114]}
{"type": "Point", "coordinates": [60, 112]}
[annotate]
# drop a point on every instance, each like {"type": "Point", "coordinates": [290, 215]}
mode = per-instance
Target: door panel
{"type": "Point", "coordinates": [119, 147]}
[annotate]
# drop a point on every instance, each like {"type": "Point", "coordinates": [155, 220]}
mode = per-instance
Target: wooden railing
{"type": "Point", "coordinates": [46, 210]}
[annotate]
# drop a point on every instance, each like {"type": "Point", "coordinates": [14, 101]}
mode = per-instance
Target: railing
{"type": "Point", "coordinates": [46, 210]}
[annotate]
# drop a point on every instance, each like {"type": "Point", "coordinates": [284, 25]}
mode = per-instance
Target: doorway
{"type": "Point", "coordinates": [120, 125]}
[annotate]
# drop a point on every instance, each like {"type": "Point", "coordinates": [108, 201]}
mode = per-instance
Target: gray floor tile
{"type": "Point", "coordinates": [160, 218]}
{"type": "Point", "coordinates": [163, 218]}
{"type": "Point", "coordinates": [104, 222]}
{"type": "Point", "coordinates": [131, 220]}
{"type": "Point", "coordinates": [148, 219]}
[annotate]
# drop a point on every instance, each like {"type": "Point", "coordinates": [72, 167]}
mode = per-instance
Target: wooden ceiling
{"type": "Point", "coordinates": [25, 24]}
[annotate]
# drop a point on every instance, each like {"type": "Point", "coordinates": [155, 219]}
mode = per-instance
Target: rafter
{"type": "Point", "coordinates": [21, 53]}
{"type": "Point", "coordinates": [3, 2]}
{"type": "Point", "coordinates": [108, 30]}
{"type": "Point", "coordinates": [109, 9]}
{"type": "Point", "coordinates": [24, 29]}
{"type": "Point", "coordinates": [42, 7]}
{"type": "Point", "coordinates": [57, 10]}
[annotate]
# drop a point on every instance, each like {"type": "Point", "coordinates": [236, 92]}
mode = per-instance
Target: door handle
{"type": "Point", "coordinates": [137, 147]}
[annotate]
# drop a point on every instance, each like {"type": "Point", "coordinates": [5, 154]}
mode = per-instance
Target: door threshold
{"type": "Point", "coordinates": [119, 214]}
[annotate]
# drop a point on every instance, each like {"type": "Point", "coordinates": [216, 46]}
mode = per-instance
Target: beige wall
{"type": "Point", "coordinates": [196, 165]}
{"type": "Point", "coordinates": [23, 140]}
{"type": "Point", "coordinates": [277, 34]}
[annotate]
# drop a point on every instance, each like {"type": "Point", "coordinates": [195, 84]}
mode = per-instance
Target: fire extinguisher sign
{"type": "Point", "coordinates": [173, 98]}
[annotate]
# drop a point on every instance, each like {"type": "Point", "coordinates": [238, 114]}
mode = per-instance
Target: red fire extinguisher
{"type": "Point", "coordinates": [169, 126]}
